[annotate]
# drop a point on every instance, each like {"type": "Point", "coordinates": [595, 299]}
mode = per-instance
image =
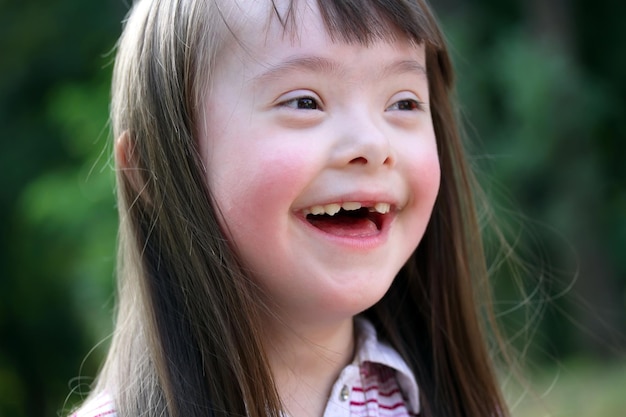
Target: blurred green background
{"type": "Point", "coordinates": [542, 86]}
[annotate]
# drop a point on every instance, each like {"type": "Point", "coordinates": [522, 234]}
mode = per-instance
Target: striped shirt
{"type": "Point", "coordinates": [378, 383]}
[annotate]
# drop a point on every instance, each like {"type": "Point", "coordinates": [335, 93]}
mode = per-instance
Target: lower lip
{"type": "Point", "coordinates": [366, 242]}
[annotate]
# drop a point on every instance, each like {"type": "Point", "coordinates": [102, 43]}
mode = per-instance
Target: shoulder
{"type": "Point", "coordinates": [99, 406]}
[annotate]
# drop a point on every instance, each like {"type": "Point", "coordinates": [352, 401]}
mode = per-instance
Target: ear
{"type": "Point", "coordinates": [125, 159]}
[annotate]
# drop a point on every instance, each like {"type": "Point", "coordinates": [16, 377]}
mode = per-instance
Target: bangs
{"type": "Point", "coordinates": [369, 21]}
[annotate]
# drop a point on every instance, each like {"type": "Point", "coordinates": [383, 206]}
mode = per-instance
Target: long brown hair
{"type": "Point", "coordinates": [187, 339]}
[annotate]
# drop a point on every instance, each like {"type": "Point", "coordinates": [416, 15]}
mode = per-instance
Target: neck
{"type": "Point", "coordinates": [306, 362]}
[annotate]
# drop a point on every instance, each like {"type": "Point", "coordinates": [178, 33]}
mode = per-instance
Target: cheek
{"type": "Point", "coordinates": [257, 182]}
{"type": "Point", "coordinates": [255, 197]}
{"type": "Point", "coordinates": [430, 176]}
{"type": "Point", "coordinates": [255, 190]}
{"type": "Point", "coordinates": [425, 173]}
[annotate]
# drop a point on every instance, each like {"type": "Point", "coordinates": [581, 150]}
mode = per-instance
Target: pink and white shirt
{"type": "Point", "coordinates": [378, 383]}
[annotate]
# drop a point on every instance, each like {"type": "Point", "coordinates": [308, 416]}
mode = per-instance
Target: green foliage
{"type": "Point", "coordinates": [67, 228]}
{"type": "Point", "coordinates": [74, 206]}
{"type": "Point", "coordinates": [578, 388]}
{"type": "Point", "coordinates": [539, 117]}
{"type": "Point", "coordinates": [59, 222]}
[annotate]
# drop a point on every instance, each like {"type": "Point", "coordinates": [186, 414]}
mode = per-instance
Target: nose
{"type": "Point", "coordinates": [364, 142]}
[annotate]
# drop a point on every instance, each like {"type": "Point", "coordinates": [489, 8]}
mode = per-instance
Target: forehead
{"type": "Point", "coordinates": [362, 22]}
{"type": "Point", "coordinates": [256, 22]}
{"type": "Point", "coordinates": [263, 37]}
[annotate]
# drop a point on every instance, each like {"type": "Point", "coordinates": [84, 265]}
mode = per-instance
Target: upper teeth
{"type": "Point", "coordinates": [333, 208]}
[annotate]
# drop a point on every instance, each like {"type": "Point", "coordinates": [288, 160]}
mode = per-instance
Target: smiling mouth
{"type": "Point", "coordinates": [348, 219]}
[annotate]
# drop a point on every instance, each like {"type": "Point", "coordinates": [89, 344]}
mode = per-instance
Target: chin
{"type": "Point", "coordinates": [360, 296]}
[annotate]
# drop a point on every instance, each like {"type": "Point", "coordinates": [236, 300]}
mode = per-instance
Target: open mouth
{"type": "Point", "coordinates": [349, 219]}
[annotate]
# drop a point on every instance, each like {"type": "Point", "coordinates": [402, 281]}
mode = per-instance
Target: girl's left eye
{"type": "Point", "coordinates": [301, 103]}
{"type": "Point", "coordinates": [407, 105]}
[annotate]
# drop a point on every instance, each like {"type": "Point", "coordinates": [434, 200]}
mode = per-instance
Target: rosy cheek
{"type": "Point", "coordinates": [278, 176]}
{"type": "Point", "coordinates": [254, 193]}
{"type": "Point", "coordinates": [432, 174]}
{"type": "Point", "coordinates": [423, 166]}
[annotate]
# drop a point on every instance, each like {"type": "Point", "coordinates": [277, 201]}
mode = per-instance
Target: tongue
{"type": "Point", "coordinates": [345, 226]}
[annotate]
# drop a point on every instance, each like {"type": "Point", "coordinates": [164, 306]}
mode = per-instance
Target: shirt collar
{"type": "Point", "coordinates": [370, 349]}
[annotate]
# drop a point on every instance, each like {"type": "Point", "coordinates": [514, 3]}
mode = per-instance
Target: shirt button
{"type": "Point", "coordinates": [345, 393]}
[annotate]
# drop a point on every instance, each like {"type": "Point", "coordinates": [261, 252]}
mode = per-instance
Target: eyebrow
{"type": "Point", "coordinates": [315, 64]}
{"type": "Point", "coordinates": [402, 67]}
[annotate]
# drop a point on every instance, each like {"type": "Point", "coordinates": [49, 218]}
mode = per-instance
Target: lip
{"type": "Point", "coordinates": [361, 243]}
{"type": "Point", "coordinates": [356, 243]}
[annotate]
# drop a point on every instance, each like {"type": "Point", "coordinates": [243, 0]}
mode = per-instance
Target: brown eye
{"type": "Point", "coordinates": [302, 103]}
{"type": "Point", "coordinates": [406, 105]}
{"type": "Point", "coordinates": [305, 103]}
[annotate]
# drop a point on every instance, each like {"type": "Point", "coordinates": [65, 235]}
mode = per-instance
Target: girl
{"type": "Point", "coordinates": [298, 235]}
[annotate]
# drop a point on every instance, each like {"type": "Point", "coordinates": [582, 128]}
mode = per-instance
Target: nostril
{"type": "Point", "coordinates": [363, 161]}
{"type": "Point", "coordinates": [359, 160]}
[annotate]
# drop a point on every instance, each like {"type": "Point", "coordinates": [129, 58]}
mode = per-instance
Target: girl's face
{"type": "Point", "coordinates": [322, 159]}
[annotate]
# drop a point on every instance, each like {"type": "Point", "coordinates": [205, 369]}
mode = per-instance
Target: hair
{"type": "Point", "coordinates": [187, 339]}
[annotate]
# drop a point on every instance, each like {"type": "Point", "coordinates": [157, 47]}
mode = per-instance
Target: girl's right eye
{"type": "Point", "coordinates": [301, 103]}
